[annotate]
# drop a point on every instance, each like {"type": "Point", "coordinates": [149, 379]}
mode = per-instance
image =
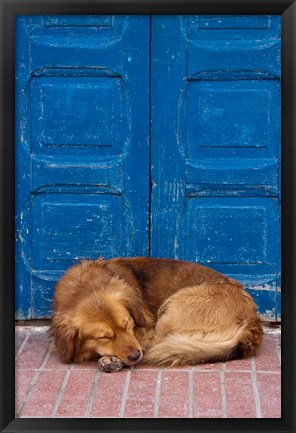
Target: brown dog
{"type": "Point", "coordinates": [172, 312]}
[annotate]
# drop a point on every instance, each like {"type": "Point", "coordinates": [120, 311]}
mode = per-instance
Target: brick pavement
{"type": "Point", "coordinates": [45, 387]}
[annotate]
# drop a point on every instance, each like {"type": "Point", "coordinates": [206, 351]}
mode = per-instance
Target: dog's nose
{"type": "Point", "coordinates": [135, 356]}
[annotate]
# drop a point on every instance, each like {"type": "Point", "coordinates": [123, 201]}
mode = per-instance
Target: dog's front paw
{"type": "Point", "coordinates": [110, 364]}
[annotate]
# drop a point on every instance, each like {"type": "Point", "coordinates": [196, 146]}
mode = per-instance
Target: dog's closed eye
{"type": "Point", "coordinates": [105, 337]}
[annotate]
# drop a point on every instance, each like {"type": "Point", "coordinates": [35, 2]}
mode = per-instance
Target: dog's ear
{"type": "Point", "coordinates": [66, 338]}
{"type": "Point", "coordinates": [136, 309]}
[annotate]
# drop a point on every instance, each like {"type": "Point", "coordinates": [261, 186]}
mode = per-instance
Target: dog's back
{"type": "Point", "coordinates": [159, 278]}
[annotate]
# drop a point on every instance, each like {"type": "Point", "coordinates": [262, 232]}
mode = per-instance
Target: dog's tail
{"type": "Point", "coordinates": [191, 348]}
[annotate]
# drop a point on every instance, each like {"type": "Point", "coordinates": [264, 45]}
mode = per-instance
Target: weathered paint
{"type": "Point", "coordinates": [87, 184]}
{"type": "Point", "coordinates": [216, 147]}
{"type": "Point", "coordinates": [268, 301]}
{"type": "Point", "coordinates": [83, 88]}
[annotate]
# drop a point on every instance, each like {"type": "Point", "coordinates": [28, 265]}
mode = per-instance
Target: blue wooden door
{"type": "Point", "coordinates": [82, 129]}
{"type": "Point", "coordinates": [111, 161]}
{"type": "Point", "coordinates": [216, 147]}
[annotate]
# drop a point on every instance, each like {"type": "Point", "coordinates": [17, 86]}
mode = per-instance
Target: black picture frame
{"type": "Point", "coordinates": [11, 8]}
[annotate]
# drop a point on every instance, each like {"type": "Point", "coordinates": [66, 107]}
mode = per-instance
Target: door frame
{"type": "Point", "coordinates": [287, 9]}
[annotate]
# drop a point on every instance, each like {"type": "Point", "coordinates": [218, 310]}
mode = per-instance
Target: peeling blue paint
{"type": "Point", "coordinates": [82, 126]}
{"type": "Point", "coordinates": [92, 179]}
{"type": "Point", "coordinates": [216, 135]}
{"type": "Point", "coordinates": [268, 302]}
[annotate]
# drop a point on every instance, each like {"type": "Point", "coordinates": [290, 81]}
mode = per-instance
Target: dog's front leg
{"type": "Point", "coordinates": [110, 364]}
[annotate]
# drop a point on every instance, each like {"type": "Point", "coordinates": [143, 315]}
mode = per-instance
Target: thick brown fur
{"type": "Point", "coordinates": [168, 312]}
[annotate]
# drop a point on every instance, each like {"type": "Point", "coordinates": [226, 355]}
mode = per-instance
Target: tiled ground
{"type": "Point", "coordinates": [237, 389]}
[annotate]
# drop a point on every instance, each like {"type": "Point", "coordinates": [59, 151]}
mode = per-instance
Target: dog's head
{"type": "Point", "coordinates": [103, 323]}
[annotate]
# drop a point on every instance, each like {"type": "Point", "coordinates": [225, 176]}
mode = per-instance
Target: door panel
{"type": "Point", "coordinates": [82, 126]}
{"type": "Point", "coordinates": [232, 147]}
{"type": "Point", "coordinates": [233, 47]}
{"type": "Point", "coordinates": [216, 146]}
{"type": "Point", "coordinates": [224, 232]}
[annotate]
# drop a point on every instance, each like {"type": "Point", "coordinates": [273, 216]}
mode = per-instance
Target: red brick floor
{"type": "Point", "coordinates": [237, 389]}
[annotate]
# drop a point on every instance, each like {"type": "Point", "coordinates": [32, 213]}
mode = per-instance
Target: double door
{"type": "Point", "coordinates": [147, 135]}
